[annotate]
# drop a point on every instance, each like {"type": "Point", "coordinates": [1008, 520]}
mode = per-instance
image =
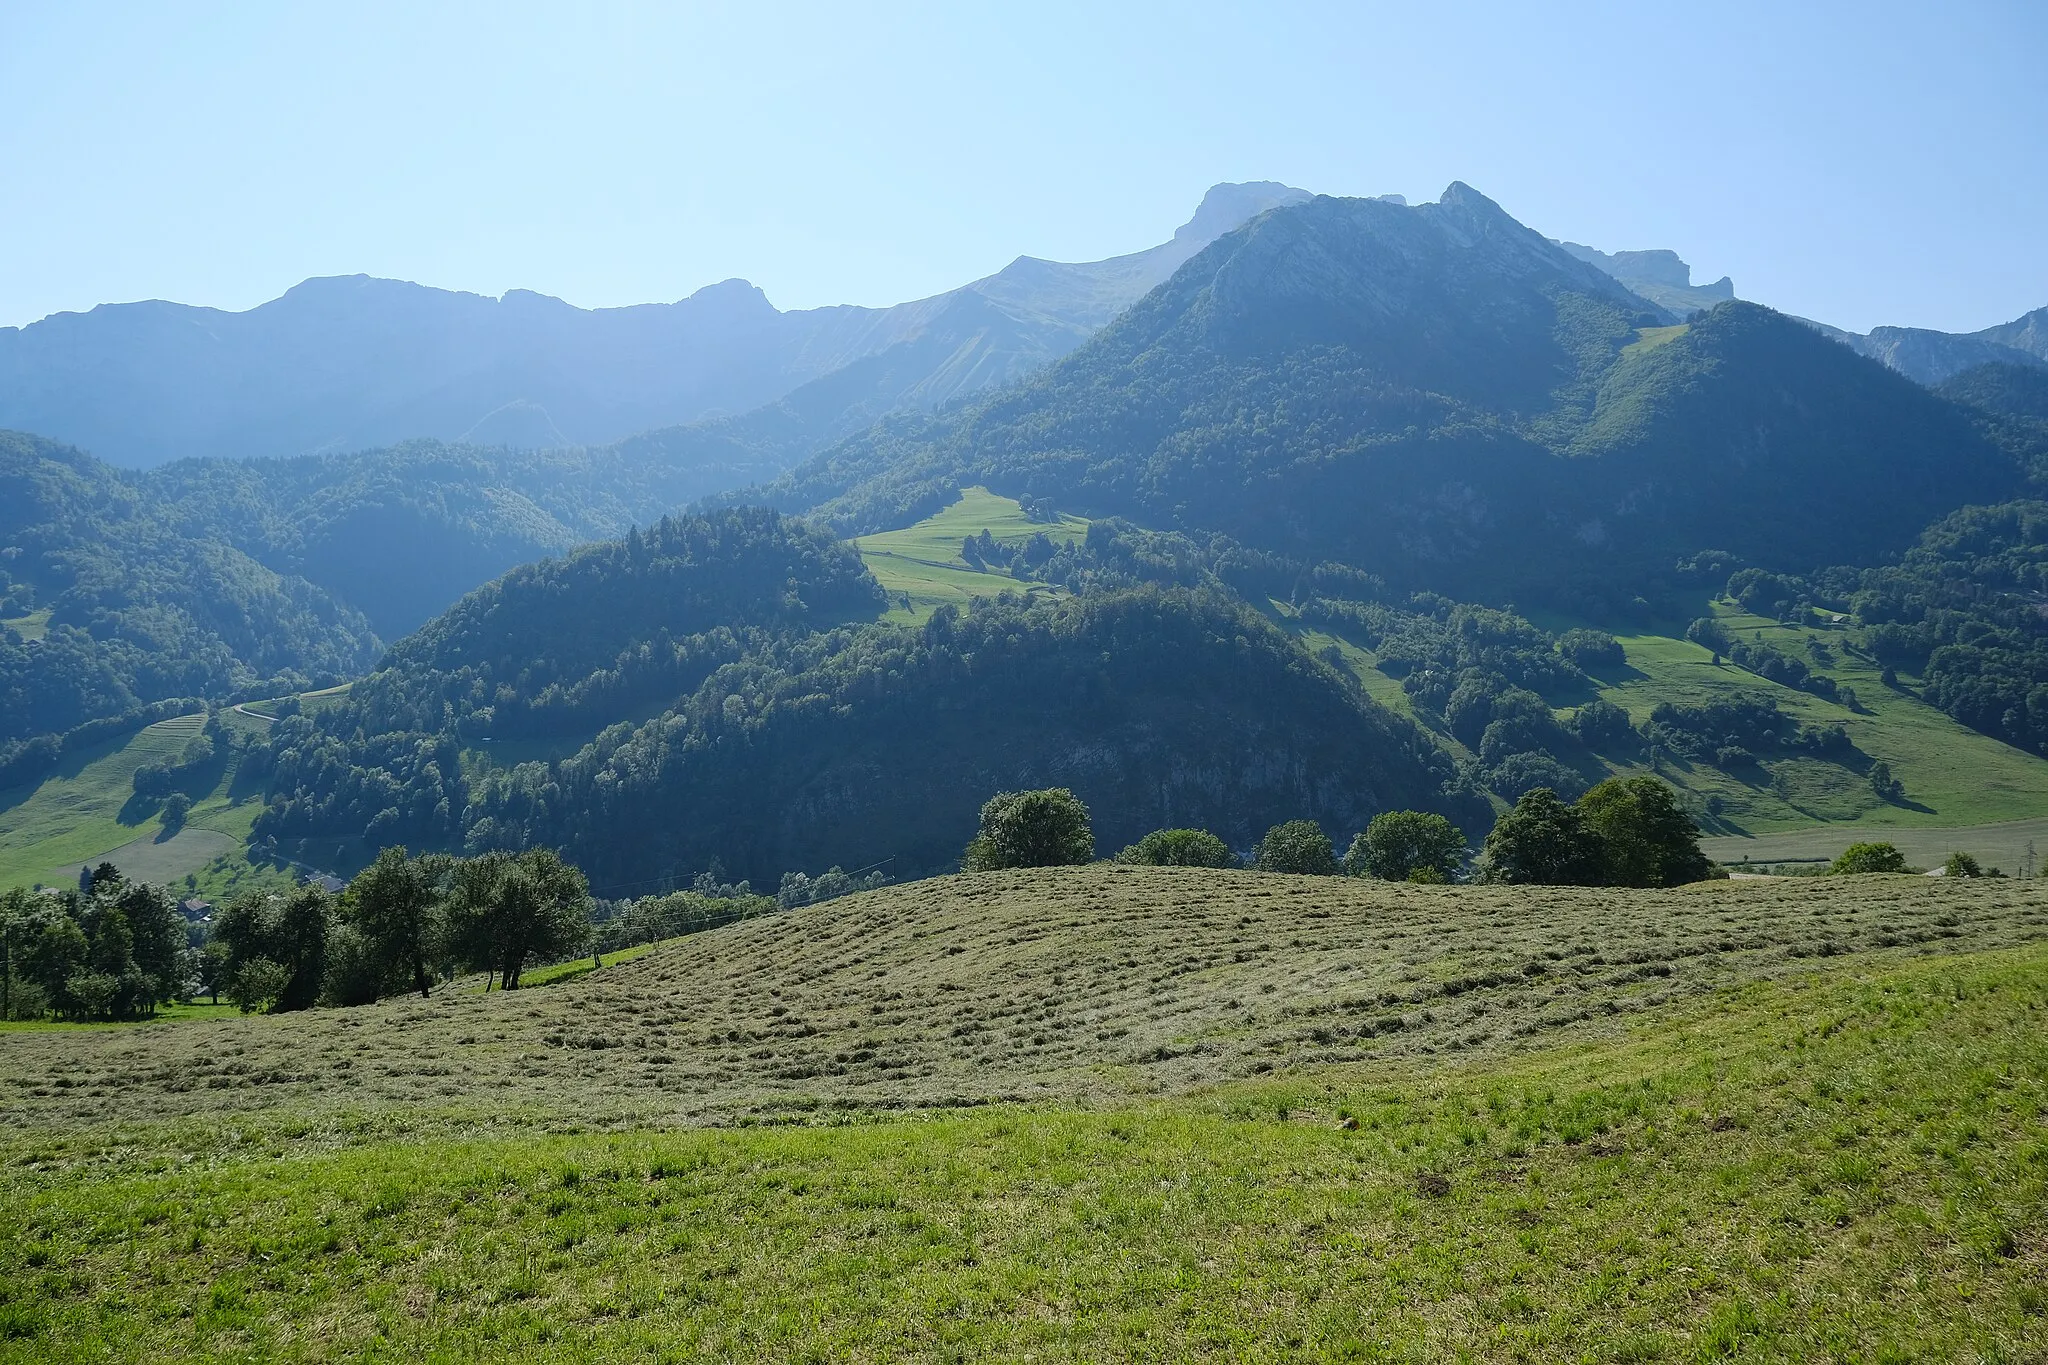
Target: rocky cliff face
{"type": "Point", "coordinates": [1659, 276]}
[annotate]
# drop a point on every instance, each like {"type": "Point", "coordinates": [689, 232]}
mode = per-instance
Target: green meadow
{"type": "Point", "coordinates": [86, 812]}
{"type": "Point", "coordinates": [1819, 1135]}
{"type": "Point", "coordinates": [921, 569]}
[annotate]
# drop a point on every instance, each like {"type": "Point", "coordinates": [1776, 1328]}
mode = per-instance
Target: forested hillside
{"type": "Point", "coordinates": [767, 728]}
{"type": "Point", "coordinates": [107, 605]}
{"type": "Point", "coordinates": [1441, 396]}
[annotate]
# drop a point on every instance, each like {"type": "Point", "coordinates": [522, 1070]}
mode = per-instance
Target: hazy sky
{"type": "Point", "coordinates": [1860, 163]}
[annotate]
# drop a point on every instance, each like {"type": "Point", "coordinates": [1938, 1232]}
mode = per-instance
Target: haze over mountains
{"type": "Point", "coordinates": [353, 362]}
{"type": "Point", "coordinates": [1390, 418]}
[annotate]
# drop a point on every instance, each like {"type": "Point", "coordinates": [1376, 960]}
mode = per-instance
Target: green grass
{"type": "Point", "coordinates": [33, 626]}
{"type": "Point", "coordinates": [923, 562]}
{"type": "Point", "coordinates": [1955, 778]}
{"type": "Point", "coordinates": [1953, 775]}
{"type": "Point", "coordinates": [1846, 1165]}
{"type": "Point", "coordinates": [75, 815]}
{"type": "Point", "coordinates": [172, 1013]}
{"type": "Point", "coordinates": [1650, 338]}
{"type": "Point", "coordinates": [2003, 845]}
{"type": "Point", "coordinates": [583, 966]}
{"type": "Point", "coordinates": [84, 814]}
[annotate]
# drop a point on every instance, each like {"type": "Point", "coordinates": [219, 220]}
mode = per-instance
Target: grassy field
{"type": "Point", "coordinates": [923, 563]}
{"type": "Point", "coordinates": [85, 814]}
{"type": "Point", "coordinates": [1650, 338]}
{"type": "Point", "coordinates": [1955, 778]}
{"type": "Point", "coordinates": [1104, 982]}
{"type": "Point", "coordinates": [1953, 775]}
{"type": "Point", "coordinates": [33, 626]}
{"type": "Point", "coordinates": [2004, 845]}
{"type": "Point", "coordinates": [1762, 1121]}
{"type": "Point", "coordinates": [76, 815]}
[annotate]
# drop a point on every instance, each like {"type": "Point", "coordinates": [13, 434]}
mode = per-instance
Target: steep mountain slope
{"type": "Point", "coordinates": [346, 363]}
{"type": "Point", "coordinates": [106, 605]}
{"type": "Point", "coordinates": [1442, 396]}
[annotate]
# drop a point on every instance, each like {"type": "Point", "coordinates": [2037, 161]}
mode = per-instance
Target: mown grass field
{"type": "Point", "coordinates": [1819, 1136]}
{"type": "Point", "coordinates": [923, 562]}
{"type": "Point", "coordinates": [33, 626]}
{"type": "Point", "coordinates": [1953, 776]}
{"type": "Point", "coordinates": [2004, 845]}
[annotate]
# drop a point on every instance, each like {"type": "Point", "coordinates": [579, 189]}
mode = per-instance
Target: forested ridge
{"type": "Point", "coordinates": [133, 608]}
{"type": "Point", "coordinates": [731, 721]}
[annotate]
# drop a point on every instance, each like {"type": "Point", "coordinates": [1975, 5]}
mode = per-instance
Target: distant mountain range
{"type": "Point", "coordinates": [1444, 397]}
{"type": "Point", "coordinates": [1931, 357]}
{"type": "Point", "coordinates": [351, 363]}
{"type": "Point", "coordinates": [1659, 276]}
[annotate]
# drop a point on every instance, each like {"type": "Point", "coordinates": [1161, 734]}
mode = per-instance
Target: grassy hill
{"type": "Point", "coordinates": [86, 813]}
{"type": "Point", "coordinates": [1262, 1117]}
{"type": "Point", "coordinates": [921, 568]}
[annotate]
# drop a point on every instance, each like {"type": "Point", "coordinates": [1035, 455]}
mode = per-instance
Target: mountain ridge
{"type": "Point", "coordinates": [145, 383]}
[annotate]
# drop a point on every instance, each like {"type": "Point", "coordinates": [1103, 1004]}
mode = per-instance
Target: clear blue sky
{"type": "Point", "coordinates": [1859, 163]}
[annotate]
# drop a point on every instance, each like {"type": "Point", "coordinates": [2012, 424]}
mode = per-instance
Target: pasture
{"type": "Point", "coordinates": [1087, 1114]}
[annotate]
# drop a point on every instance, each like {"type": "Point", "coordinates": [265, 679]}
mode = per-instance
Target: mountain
{"type": "Point", "coordinates": [106, 605]}
{"type": "Point", "coordinates": [1659, 276]}
{"type": "Point", "coordinates": [715, 699]}
{"type": "Point", "coordinates": [348, 363]}
{"type": "Point", "coordinates": [1442, 396]}
{"type": "Point", "coordinates": [1931, 357]}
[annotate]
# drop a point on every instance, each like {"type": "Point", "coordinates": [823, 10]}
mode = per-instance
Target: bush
{"type": "Point", "coordinates": [1962, 865]}
{"type": "Point", "coordinates": [1400, 844]}
{"type": "Point", "coordinates": [257, 984]}
{"type": "Point", "coordinates": [1519, 774]}
{"type": "Point", "coordinates": [1600, 724]}
{"type": "Point", "coordinates": [1868, 857]}
{"type": "Point", "coordinates": [1046, 828]}
{"type": "Point", "coordinates": [1299, 846]}
{"type": "Point", "coordinates": [355, 972]}
{"type": "Point", "coordinates": [1178, 848]}
{"type": "Point", "coordinates": [175, 808]}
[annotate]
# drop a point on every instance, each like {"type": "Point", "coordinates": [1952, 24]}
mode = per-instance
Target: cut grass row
{"type": "Point", "coordinates": [1849, 1165]}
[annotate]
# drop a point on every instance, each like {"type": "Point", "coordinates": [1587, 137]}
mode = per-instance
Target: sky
{"type": "Point", "coordinates": [1857, 163]}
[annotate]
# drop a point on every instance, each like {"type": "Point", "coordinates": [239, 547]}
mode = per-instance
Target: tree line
{"type": "Point", "coordinates": [1626, 831]}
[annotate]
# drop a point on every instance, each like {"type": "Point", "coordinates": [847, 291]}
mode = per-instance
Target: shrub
{"type": "Point", "coordinates": [257, 984]}
{"type": "Point", "coordinates": [1399, 844]}
{"type": "Point", "coordinates": [356, 973]}
{"type": "Point", "coordinates": [1868, 857]}
{"type": "Point", "coordinates": [1601, 724]}
{"type": "Point", "coordinates": [1519, 774]}
{"type": "Point", "coordinates": [1046, 828]}
{"type": "Point", "coordinates": [1178, 848]}
{"type": "Point", "coordinates": [1962, 865]}
{"type": "Point", "coordinates": [176, 807]}
{"type": "Point", "coordinates": [1299, 846]}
